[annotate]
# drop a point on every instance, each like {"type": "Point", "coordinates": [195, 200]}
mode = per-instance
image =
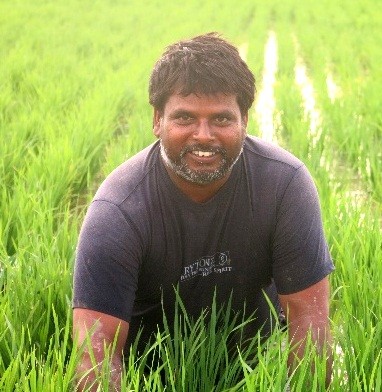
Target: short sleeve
{"type": "Point", "coordinates": [300, 254]}
{"type": "Point", "coordinates": [107, 262]}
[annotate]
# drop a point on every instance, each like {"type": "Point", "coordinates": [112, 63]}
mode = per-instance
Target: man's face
{"type": "Point", "coordinates": [201, 136]}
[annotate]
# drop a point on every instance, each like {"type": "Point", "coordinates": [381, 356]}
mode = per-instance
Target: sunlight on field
{"type": "Point", "coordinates": [334, 91]}
{"type": "Point", "coordinates": [265, 102]}
{"type": "Point", "coordinates": [309, 102]}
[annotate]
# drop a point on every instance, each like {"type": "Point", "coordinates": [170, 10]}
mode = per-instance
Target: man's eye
{"type": "Point", "coordinates": [222, 120]}
{"type": "Point", "coordinates": [184, 118]}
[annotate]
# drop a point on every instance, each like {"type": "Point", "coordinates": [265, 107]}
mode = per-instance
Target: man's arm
{"type": "Point", "coordinates": [307, 312]}
{"type": "Point", "coordinates": [101, 329]}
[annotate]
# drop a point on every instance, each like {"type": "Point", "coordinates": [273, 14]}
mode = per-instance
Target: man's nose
{"type": "Point", "coordinates": [203, 131]}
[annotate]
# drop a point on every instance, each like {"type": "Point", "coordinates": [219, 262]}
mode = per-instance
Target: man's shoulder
{"type": "Point", "coordinates": [129, 176]}
{"type": "Point", "coordinates": [270, 154]}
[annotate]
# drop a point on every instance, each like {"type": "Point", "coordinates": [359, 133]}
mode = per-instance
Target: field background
{"type": "Point", "coordinates": [73, 105]}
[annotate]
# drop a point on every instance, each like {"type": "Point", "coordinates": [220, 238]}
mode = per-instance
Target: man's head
{"type": "Point", "coordinates": [206, 65]}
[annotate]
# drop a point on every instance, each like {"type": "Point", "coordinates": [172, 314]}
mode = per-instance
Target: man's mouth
{"type": "Point", "coordinates": [203, 153]}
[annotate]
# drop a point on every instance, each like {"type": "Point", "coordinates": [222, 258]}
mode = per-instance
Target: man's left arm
{"type": "Point", "coordinates": [307, 312]}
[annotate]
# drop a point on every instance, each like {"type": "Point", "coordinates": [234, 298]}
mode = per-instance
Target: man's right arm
{"type": "Point", "coordinates": [101, 331]}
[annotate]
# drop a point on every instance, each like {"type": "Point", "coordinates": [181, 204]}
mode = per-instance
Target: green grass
{"type": "Point", "coordinates": [73, 105]}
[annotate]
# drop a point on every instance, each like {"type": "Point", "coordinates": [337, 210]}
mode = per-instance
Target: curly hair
{"type": "Point", "coordinates": [206, 64]}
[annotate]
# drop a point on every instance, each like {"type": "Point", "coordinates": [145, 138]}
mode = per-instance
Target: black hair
{"type": "Point", "coordinates": [206, 64]}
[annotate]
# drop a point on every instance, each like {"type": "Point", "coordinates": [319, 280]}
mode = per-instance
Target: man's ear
{"type": "Point", "coordinates": [244, 119]}
{"type": "Point", "coordinates": [156, 122]}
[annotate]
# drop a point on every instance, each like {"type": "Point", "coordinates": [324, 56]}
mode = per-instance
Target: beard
{"type": "Point", "coordinates": [199, 177]}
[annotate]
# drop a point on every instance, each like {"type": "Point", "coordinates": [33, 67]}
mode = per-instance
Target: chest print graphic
{"type": "Point", "coordinates": [219, 263]}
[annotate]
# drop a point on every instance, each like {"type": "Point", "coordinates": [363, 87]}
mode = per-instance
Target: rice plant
{"type": "Point", "coordinates": [73, 105]}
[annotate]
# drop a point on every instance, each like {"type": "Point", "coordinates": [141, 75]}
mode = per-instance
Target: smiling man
{"type": "Point", "coordinates": [201, 138]}
{"type": "Point", "coordinates": [207, 209]}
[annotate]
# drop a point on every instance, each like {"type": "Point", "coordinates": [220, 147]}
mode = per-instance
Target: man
{"type": "Point", "coordinates": [204, 208]}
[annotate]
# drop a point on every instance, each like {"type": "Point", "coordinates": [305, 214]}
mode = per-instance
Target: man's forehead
{"type": "Point", "coordinates": [195, 98]}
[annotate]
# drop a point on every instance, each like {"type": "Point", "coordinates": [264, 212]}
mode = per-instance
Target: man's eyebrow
{"type": "Point", "coordinates": [180, 112]}
{"type": "Point", "coordinates": [225, 113]}
{"type": "Point", "coordinates": [184, 112]}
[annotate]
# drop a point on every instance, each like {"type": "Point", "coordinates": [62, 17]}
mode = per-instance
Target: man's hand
{"type": "Point", "coordinates": [101, 330]}
{"type": "Point", "coordinates": [307, 312]}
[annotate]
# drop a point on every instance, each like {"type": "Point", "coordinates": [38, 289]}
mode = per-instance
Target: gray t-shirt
{"type": "Point", "coordinates": [142, 236]}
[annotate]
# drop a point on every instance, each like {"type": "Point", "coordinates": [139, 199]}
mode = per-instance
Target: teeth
{"type": "Point", "coordinates": [203, 153]}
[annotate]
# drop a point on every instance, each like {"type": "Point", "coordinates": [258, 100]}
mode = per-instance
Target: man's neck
{"type": "Point", "coordinates": [197, 193]}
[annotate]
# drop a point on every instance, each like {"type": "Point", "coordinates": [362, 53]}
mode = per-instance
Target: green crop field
{"type": "Point", "coordinates": [74, 105]}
